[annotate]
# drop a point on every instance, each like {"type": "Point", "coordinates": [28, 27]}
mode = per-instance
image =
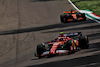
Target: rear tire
{"type": "Point", "coordinates": [83, 16]}
{"type": "Point", "coordinates": [83, 42]}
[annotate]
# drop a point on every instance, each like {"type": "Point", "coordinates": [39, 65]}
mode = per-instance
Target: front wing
{"type": "Point", "coordinates": [57, 52]}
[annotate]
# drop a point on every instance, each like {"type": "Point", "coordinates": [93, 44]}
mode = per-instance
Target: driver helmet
{"type": "Point", "coordinates": [62, 34]}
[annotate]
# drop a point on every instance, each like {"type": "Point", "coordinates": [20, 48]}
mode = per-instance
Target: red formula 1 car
{"type": "Point", "coordinates": [64, 44]}
{"type": "Point", "coordinates": [72, 16]}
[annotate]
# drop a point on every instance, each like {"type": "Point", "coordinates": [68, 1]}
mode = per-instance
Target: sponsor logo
{"type": "Point", "coordinates": [61, 51]}
{"type": "Point", "coordinates": [45, 53]}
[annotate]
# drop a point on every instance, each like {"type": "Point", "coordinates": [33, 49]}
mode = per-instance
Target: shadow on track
{"type": "Point", "coordinates": [40, 28]}
{"type": "Point", "coordinates": [94, 47]}
{"type": "Point", "coordinates": [88, 61]}
{"type": "Point", "coordinates": [79, 28]}
{"type": "Point", "coordinates": [94, 36]}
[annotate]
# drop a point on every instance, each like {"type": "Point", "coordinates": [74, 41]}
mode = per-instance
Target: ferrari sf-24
{"type": "Point", "coordinates": [66, 43]}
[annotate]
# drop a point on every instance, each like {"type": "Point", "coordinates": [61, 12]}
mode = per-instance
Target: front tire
{"type": "Point", "coordinates": [63, 18]}
{"type": "Point", "coordinates": [40, 50]}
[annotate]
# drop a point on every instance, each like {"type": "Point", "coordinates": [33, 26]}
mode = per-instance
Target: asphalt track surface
{"type": "Point", "coordinates": [26, 23]}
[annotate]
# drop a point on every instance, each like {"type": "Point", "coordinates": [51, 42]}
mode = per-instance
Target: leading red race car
{"type": "Point", "coordinates": [72, 16]}
{"type": "Point", "coordinates": [64, 44]}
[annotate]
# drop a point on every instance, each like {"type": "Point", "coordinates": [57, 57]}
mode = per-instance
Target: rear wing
{"type": "Point", "coordinates": [70, 11]}
{"type": "Point", "coordinates": [73, 34]}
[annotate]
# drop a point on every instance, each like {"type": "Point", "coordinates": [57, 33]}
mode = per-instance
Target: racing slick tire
{"type": "Point", "coordinates": [68, 45]}
{"type": "Point", "coordinates": [40, 50]}
{"type": "Point", "coordinates": [63, 18]}
{"type": "Point", "coordinates": [83, 42]}
{"type": "Point", "coordinates": [83, 16]}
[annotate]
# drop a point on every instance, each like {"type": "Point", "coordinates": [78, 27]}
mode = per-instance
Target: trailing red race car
{"type": "Point", "coordinates": [64, 44]}
{"type": "Point", "coordinates": [72, 16]}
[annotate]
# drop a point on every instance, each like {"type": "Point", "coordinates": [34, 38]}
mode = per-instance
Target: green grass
{"type": "Point", "coordinates": [75, 0]}
{"type": "Point", "coordinates": [93, 5]}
